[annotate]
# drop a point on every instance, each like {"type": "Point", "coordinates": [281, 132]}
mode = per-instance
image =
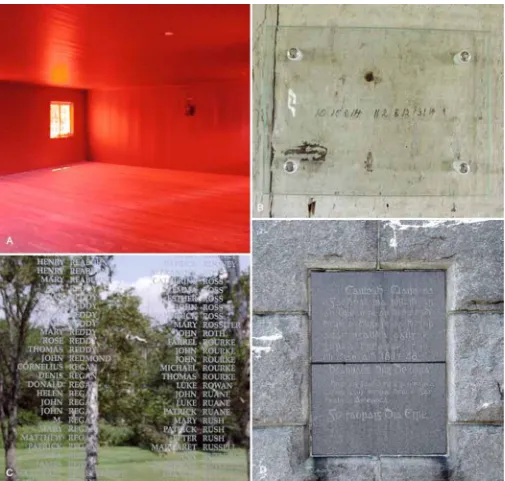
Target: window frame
{"type": "Point", "coordinates": [60, 104]}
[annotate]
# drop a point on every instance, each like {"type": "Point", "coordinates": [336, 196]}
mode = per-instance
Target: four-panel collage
{"type": "Point", "coordinates": [251, 242]}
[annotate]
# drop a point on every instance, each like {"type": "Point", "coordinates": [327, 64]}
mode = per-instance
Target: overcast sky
{"type": "Point", "coordinates": [137, 271]}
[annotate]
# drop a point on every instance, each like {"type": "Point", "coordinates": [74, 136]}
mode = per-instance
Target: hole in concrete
{"type": "Point", "coordinates": [369, 77]}
{"type": "Point", "coordinates": [290, 166]}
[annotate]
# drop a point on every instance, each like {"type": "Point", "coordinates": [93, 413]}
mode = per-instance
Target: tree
{"type": "Point", "coordinates": [22, 288]}
{"type": "Point", "coordinates": [20, 292]}
{"type": "Point", "coordinates": [235, 305]}
{"type": "Point", "coordinates": [238, 293]}
{"type": "Point", "coordinates": [85, 294]}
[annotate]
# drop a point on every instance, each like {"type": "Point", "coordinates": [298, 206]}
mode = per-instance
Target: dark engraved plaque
{"type": "Point", "coordinates": [378, 409]}
{"type": "Point", "coordinates": [378, 316]}
{"type": "Point", "coordinates": [378, 363]}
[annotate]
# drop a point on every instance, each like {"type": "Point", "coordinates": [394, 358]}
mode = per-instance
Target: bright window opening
{"type": "Point", "coordinates": [62, 119]}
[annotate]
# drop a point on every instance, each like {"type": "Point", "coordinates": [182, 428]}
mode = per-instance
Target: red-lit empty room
{"type": "Point", "coordinates": [124, 128]}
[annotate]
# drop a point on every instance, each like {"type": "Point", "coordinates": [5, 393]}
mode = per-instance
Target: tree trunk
{"type": "Point", "coordinates": [10, 456]}
{"type": "Point", "coordinates": [92, 416]}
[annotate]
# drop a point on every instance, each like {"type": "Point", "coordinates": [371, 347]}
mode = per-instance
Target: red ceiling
{"type": "Point", "coordinates": [89, 46]}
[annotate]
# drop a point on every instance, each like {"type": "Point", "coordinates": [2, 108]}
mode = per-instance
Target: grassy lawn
{"type": "Point", "coordinates": [130, 464]}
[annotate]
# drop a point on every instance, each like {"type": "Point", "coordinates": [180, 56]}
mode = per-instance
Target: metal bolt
{"type": "Point", "coordinates": [462, 57]}
{"type": "Point", "coordinates": [294, 54]}
{"type": "Point", "coordinates": [465, 56]}
{"type": "Point", "coordinates": [290, 166]}
{"type": "Point", "coordinates": [464, 168]}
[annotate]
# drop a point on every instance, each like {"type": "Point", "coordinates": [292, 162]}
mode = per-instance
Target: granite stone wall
{"type": "Point", "coordinates": [470, 253]}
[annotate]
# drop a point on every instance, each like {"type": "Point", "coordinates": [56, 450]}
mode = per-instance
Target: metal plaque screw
{"type": "Point", "coordinates": [462, 167]}
{"type": "Point", "coordinates": [290, 166]}
{"type": "Point", "coordinates": [294, 54]}
{"type": "Point", "coordinates": [462, 57]}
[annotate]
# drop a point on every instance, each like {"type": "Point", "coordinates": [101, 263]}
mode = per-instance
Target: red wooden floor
{"type": "Point", "coordinates": [97, 207]}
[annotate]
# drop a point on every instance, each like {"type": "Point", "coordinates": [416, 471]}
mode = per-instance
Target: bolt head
{"type": "Point", "coordinates": [294, 53]}
{"type": "Point", "coordinates": [464, 168]}
{"type": "Point", "coordinates": [465, 56]}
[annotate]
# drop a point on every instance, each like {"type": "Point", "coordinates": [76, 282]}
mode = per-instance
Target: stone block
{"type": "Point", "coordinates": [476, 342]}
{"type": "Point", "coordinates": [280, 454]}
{"type": "Point", "coordinates": [280, 369]}
{"type": "Point", "coordinates": [476, 453]}
{"type": "Point", "coordinates": [414, 469]}
{"type": "Point", "coordinates": [347, 469]}
{"type": "Point", "coordinates": [470, 250]}
{"type": "Point", "coordinates": [283, 252]}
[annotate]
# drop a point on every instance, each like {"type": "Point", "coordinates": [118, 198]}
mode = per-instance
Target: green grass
{"type": "Point", "coordinates": [130, 464]}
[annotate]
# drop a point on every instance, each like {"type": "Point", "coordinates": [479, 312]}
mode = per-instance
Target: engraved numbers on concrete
{"type": "Point", "coordinates": [378, 363]}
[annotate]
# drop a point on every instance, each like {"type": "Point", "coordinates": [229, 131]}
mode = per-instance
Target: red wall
{"type": "Point", "coordinates": [24, 128]}
{"type": "Point", "coordinates": [147, 126]}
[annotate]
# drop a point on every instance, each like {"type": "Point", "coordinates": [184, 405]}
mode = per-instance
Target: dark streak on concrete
{"type": "Point", "coordinates": [500, 390]}
{"type": "Point", "coordinates": [369, 162]}
{"type": "Point", "coordinates": [308, 152]}
{"type": "Point", "coordinates": [312, 207]}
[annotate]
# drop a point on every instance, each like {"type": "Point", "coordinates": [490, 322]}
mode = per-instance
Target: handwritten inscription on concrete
{"type": "Point", "coordinates": [378, 316]}
{"type": "Point", "coordinates": [381, 113]}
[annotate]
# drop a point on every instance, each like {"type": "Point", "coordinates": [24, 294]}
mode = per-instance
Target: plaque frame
{"type": "Point", "coordinates": [446, 362]}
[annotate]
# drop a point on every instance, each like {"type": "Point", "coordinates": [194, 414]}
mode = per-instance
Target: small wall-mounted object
{"type": "Point", "coordinates": [294, 54]}
{"type": "Point", "coordinates": [462, 57]}
{"type": "Point", "coordinates": [461, 167]}
{"type": "Point", "coordinates": [190, 109]}
{"type": "Point", "coordinates": [290, 166]}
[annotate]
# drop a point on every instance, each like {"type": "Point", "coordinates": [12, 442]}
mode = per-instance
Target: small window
{"type": "Point", "coordinates": [62, 119]}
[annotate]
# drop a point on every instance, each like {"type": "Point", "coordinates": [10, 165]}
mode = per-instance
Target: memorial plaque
{"type": "Point", "coordinates": [378, 316]}
{"type": "Point", "coordinates": [378, 409]}
{"type": "Point", "coordinates": [378, 111]}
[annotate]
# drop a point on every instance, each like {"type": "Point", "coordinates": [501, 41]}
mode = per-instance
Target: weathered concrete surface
{"type": "Point", "coordinates": [283, 253]}
{"type": "Point", "coordinates": [476, 359]}
{"type": "Point", "coordinates": [281, 367]}
{"type": "Point", "coordinates": [464, 17]}
{"type": "Point", "coordinates": [263, 16]}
